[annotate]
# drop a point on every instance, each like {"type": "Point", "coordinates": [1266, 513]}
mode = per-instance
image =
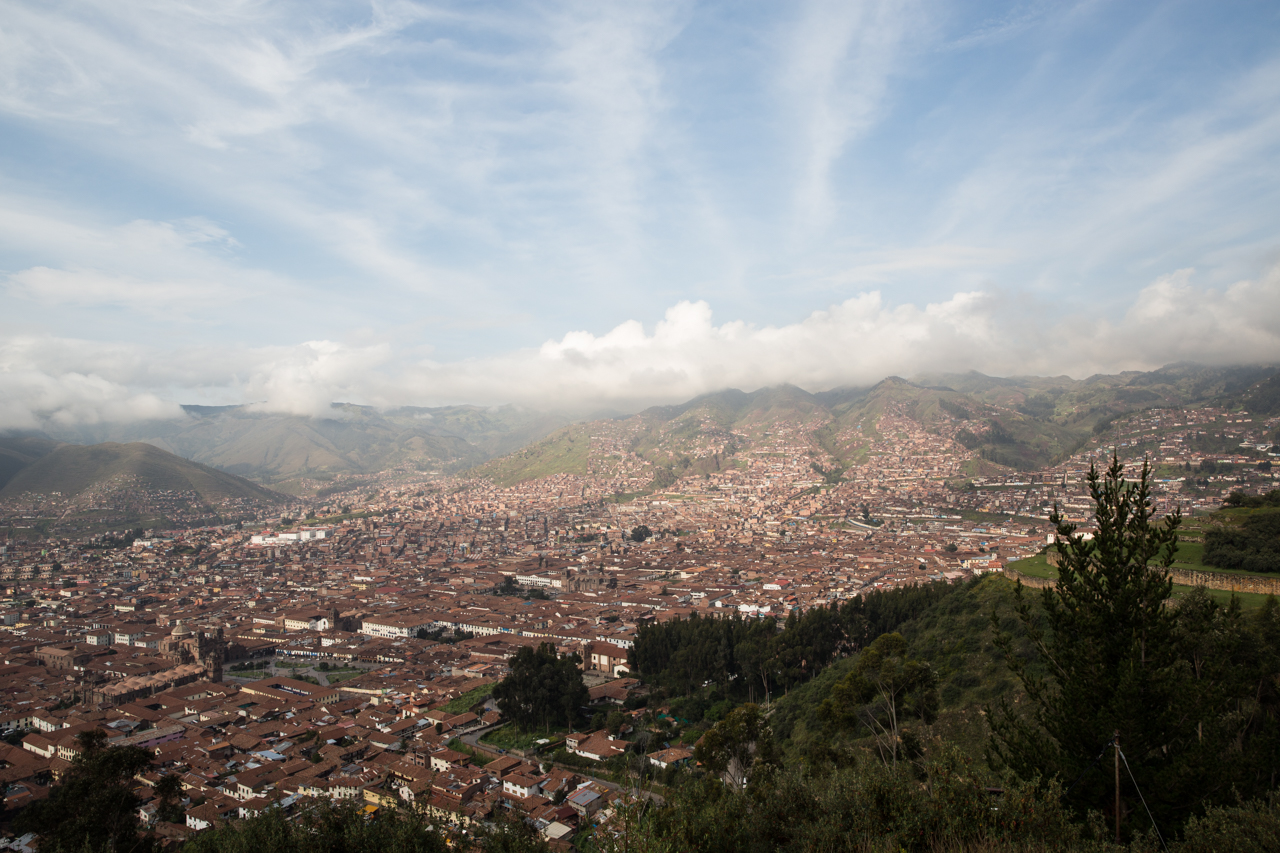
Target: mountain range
{"type": "Point", "coordinates": [1018, 422]}
{"type": "Point", "coordinates": [72, 469]}
{"type": "Point", "coordinates": [298, 454]}
{"type": "Point", "coordinates": [1013, 422]}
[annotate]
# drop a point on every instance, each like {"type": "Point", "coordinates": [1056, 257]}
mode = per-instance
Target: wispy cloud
{"type": "Point", "coordinates": [886, 264]}
{"type": "Point", "coordinates": [836, 78]}
{"type": "Point", "coordinates": [291, 202]}
{"type": "Point", "coordinates": [172, 270]}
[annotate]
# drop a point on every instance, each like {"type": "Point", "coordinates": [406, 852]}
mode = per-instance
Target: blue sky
{"type": "Point", "coordinates": [621, 203]}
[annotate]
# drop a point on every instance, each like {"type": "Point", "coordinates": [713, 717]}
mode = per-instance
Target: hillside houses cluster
{"type": "Point", "coordinates": [121, 501]}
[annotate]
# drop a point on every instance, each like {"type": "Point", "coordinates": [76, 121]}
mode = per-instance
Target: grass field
{"type": "Point", "coordinates": [1038, 567]}
{"type": "Point", "coordinates": [1248, 600]}
{"type": "Point", "coordinates": [509, 737]}
{"type": "Point", "coordinates": [627, 497]}
{"type": "Point", "coordinates": [463, 703]}
{"type": "Point", "coordinates": [338, 519]}
{"type": "Point", "coordinates": [337, 677]}
{"type": "Point", "coordinates": [562, 452]}
{"type": "Point", "coordinates": [457, 745]}
{"type": "Point", "coordinates": [1189, 555]}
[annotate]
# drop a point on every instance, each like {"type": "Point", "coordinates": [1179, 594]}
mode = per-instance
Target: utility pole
{"type": "Point", "coordinates": [1117, 746]}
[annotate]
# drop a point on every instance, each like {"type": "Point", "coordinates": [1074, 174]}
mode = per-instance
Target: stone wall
{"type": "Point", "coordinates": [1028, 580]}
{"type": "Point", "coordinates": [1234, 583]}
{"type": "Point", "coordinates": [1182, 577]}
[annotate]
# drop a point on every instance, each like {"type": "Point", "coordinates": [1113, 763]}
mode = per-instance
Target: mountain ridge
{"type": "Point", "coordinates": [1014, 422]}
{"type": "Point", "coordinates": [1009, 422]}
{"type": "Point", "coordinates": [293, 453]}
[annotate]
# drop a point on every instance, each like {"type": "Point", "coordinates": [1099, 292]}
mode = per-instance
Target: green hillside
{"type": "Point", "coordinates": [896, 744]}
{"type": "Point", "coordinates": [491, 431]}
{"type": "Point", "coordinates": [17, 451]}
{"type": "Point", "coordinates": [276, 449]}
{"type": "Point", "coordinates": [565, 451]}
{"type": "Point", "coordinates": [677, 439]}
{"type": "Point", "coordinates": [954, 635]}
{"type": "Point", "coordinates": [1000, 435]}
{"type": "Point", "coordinates": [1263, 398]}
{"type": "Point", "coordinates": [696, 437]}
{"type": "Point", "coordinates": [1010, 422]}
{"type": "Point", "coordinates": [1082, 405]}
{"type": "Point", "coordinates": [73, 469]}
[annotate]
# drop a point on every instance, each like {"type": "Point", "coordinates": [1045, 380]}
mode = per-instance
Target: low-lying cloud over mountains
{"type": "Point", "coordinates": [47, 380]}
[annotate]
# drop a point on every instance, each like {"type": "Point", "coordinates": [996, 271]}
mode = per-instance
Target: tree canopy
{"type": "Point", "coordinates": [752, 660]}
{"type": "Point", "coordinates": [345, 827]}
{"type": "Point", "coordinates": [885, 689]}
{"type": "Point", "coordinates": [93, 808]}
{"type": "Point", "coordinates": [1253, 545]}
{"type": "Point", "coordinates": [738, 745]}
{"type": "Point", "coordinates": [543, 690]}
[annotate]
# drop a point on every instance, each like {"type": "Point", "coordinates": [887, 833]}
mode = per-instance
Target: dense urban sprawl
{"type": "Point", "coordinates": [348, 655]}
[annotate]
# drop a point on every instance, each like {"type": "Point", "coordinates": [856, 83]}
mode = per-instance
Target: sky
{"type": "Point", "coordinates": [571, 204]}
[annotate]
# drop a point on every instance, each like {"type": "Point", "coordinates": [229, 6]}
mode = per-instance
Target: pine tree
{"type": "Point", "coordinates": [1107, 660]}
{"type": "Point", "coordinates": [1189, 686]}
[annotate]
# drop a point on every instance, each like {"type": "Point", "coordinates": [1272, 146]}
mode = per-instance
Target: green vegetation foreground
{"type": "Point", "coordinates": [1190, 689]}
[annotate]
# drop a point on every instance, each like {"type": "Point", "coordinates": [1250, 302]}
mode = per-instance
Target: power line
{"type": "Point", "coordinates": [1103, 752]}
{"type": "Point", "coordinates": [1142, 799]}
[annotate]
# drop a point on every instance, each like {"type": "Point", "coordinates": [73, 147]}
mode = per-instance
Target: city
{"type": "Point", "coordinates": [351, 654]}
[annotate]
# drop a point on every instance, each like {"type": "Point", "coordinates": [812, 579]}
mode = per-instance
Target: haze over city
{"type": "Point", "coordinates": [604, 206]}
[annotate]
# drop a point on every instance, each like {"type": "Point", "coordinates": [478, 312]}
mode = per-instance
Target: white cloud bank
{"type": "Point", "coordinates": [31, 398]}
{"type": "Point", "coordinates": [858, 341]}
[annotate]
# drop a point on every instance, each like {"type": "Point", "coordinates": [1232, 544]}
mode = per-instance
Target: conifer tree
{"type": "Point", "coordinates": [1190, 686]}
{"type": "Point", "coordinates": [1107, 660]}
